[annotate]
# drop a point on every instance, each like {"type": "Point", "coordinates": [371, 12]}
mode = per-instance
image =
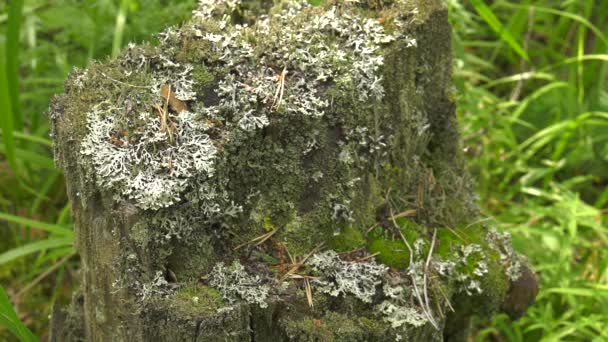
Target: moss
{"type": "Point", "coordinates": [194, 300]}
{"type": "Point", "coordinates": [316, 2]}
{"type": "Point", "coordinates": [391, 253]}
{"type": "Point", "coordinates": [268, 225]}
{"type": "Point", "coordinates": [448, 239]}
{"type": "Point", "coordinates": [392, 250]}
{"type": "Point", "coordinates": [348, 239]}
{"type": "Point", "coordinates": [202, 78]}
{"type": "Point", "coordinates": [335, 327]}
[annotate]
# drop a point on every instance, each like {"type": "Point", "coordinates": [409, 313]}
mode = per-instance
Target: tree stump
{"type": "Point", "coordinates": [278, 172]}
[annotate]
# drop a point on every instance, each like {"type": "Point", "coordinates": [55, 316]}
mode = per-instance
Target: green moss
{"type": "Point", "coordinates": [268, 225]}
{"type": "Point", "coordinates": [202, 76]}
{"type": "Point", "coordinates": [392, 250]}
{"type": "Point", "coordinates": [448, 239]}
{"type": "Point", "coordinates": [349, 238]}
{"type": "Point", "coordinates": [391, 253]}
{"type": "Point", "coordinates": [316, 2]}
{"type": "Point", "coordinates": [195, 299]}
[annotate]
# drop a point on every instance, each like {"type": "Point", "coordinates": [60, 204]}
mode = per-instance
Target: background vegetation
{"type": "Point", "coordinates": [530, 81]}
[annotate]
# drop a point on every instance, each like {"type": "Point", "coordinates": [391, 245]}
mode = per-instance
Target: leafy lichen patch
{"type": "Point", "coordinates": [236, 283]}
{"type": "Point", "coordinates": [340, 277]}
{"type": "Point", "coordinates": [153, 163]}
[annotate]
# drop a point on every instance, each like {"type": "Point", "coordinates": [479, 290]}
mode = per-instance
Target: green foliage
{"type": "Point", "coordinates": [535, 135]}
{"type": "Point", "coordinates": [9, 319]}
{"type": "Point", "coordinates": [40, 43]}
{"type": "Point", "coordinates": [488, 16]}
{"type": "Point", "coordinates": [12, 59]}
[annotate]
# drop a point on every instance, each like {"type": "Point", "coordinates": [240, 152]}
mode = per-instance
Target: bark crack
{"type": "Point", "coordinates": [197, 331]}
{"type": "Point", "coordinates": [251, 327]}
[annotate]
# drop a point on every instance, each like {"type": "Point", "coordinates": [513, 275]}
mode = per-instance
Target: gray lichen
{"type": "Point", "coordinates": [235, 283]}
{"type": "Point", "coordinates": [337, 277]}
{"type": "Point", "coordinates": [144, 166]}
{"type": "Point", "coordinates": [510, 259]}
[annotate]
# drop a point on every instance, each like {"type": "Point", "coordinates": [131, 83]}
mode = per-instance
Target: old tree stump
{"type": "Point", "coordinates": [275, 172]}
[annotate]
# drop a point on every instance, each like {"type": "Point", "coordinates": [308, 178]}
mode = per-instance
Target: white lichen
{"type": "Point", "coordinates": [149, 165]}
{"type": "Point", "coordinates": [234, 283]}
{"type": "Point", "coordinates": [509, 258]}
{"type": "Point", "coordinates": [396, 309]}
{"type": "Point", "coordinates": [469, 282]}
{"type": "Point", "coordinates": [336, 277]}
{"type": "Point", "coordinates": [158, 286]}
{"type": "Point", "coordinates": [299, 55]}
{"type": "Point", "coordinates": [398, 316]}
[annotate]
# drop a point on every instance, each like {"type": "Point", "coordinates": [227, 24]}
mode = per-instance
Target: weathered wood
{"type": "Point", "coordinates": [272, 147]}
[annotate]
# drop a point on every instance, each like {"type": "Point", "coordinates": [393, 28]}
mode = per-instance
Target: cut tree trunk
{"type": "Point", "coordinates": [274, 177]}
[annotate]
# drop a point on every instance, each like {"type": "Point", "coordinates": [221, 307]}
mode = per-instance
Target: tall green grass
{"type": "Point", "coordinates": [40, 42]}
{"type": "Point", "coordinates": [532, 103]}
{"type": "Point", "coordinates": [535, 130]}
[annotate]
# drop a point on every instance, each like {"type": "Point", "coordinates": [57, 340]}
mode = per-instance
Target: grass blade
{"type": "Point", "coordinates": [47, 227]}
{"type": "Point", "coordinates": [119, 28]}
{"type": "Point", "coordinates": [35, 158]}
{"type": "Point", "coordinates": [566, 14]}
{"type": "Point", "coordinates": [9, 319]}
{"type": "Point", "coordinates": [15, 15]}
{"type": "Point", "coordinates": [488, 16]}
{"type": "Point", "coordinates": [34, 247]}
{"type": "Point", "coordinates": [6, 119]}
{"type": "Point", "coordinates": [33, 138]}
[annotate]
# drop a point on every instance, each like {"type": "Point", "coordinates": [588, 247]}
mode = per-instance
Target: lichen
{"type": "Point", "coordinates": [508, 257]}
{"type": "Point", "coordinates": [338, 277]}
{"type": "Point", "coordinates": [147, 164]}
{"type": "Point", "coordinates": [362, 280]}
{"type": "Point", "coordinates": [235, 283]}
{"type": "Point", "coordinates": [156, 287]}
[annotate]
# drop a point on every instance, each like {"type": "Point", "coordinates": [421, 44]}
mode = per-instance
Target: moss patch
{"type": "Point", "coordinates": [348, 239]}
{"type": "Point", "coordinates": [194, 299]}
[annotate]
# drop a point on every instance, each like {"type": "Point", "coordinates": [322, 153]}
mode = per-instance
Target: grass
{"type": "Point", "coordinates": [535, 132]}
{"type": "Point", "coordinates": [533, 108]}
{"type": "Point", "coordinates": [40, 42]}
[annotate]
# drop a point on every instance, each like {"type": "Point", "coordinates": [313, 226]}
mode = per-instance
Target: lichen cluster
{"type": "Point", "coordinates": [137, 160]}
{"type": "Point", "coordinates": [235, 283]}
{"type": "Point", "coordinates": [336, 277]}
{"type": "Point", "coordinates": [510, 260]}
{"type": "Point", "coordinates": [153, 156]}
{"type": "Point", "coordinates": [366, 281]}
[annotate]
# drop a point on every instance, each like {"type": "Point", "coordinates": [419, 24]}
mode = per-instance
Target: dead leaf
{"type": "Point", "coordinates": [168, 95]}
